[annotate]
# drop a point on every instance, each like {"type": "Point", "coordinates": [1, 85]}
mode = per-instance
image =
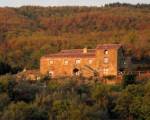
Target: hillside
{"type": "Point", "coordinates": [28, 32]}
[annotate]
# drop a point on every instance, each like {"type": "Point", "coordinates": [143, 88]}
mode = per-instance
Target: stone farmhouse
{"type": "Point", "coordinates": [104, 60]}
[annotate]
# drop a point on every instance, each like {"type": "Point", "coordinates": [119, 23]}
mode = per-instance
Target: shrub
{"type": "Point", "coordinates": [23, 91]}
{"type": "Point", "coordinates": [4, 101]}
{"type": "Point", "coordinates": [129, 79]}
{"type": "Point", "coordinates": [23, 111]}
{"type": "Point", "coordinates": [4, 82]}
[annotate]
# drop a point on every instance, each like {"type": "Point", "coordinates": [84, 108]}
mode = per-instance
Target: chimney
{"type": "Point", "coordinates": [84, 50]}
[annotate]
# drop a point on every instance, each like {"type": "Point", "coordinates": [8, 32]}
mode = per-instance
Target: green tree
{"type": "Point", "coordinates": [4, 101]}
{"type": "Point", "coordinates": [129, 102]}
{"type": "Point", "coordinates": [23, 111]}
{"type": "Point", "coordinates": [129, 79]}
{"type": "Point", "coordinates": [22, 91]}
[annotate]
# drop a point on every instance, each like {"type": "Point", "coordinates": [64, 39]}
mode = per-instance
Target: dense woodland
{"type": "Point", "coordinates": [28, 32]}
{"type": "Point", "coordinates": [66, 99]}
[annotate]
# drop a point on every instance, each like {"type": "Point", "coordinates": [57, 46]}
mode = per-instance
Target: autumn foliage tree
{"type": "Point", "coordinates": [28, 32]}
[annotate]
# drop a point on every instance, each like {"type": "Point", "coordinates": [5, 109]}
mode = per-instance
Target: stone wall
{"type": "Point", "coordinates": [106, 61]}
{"type": "Point", "coordinates": [59, 68]}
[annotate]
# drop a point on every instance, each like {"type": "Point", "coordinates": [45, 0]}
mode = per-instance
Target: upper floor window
{"type": "Point", "coordinates": [90, 61]}
{"type": "Point", "coordinates": [77, 61]}
{"type": "Point", "coordinates": [106, 60]}
{"type": "Point", "coordinates": [66, 62]}
{"type": "Point", "coordinates": [105, 52]}
{"type": "Point", "coordinates": [51, 62]}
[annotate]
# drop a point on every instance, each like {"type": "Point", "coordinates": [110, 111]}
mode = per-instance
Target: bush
{"type": "Point", "coordinates": [23, 111]}
{"type": "Point", "coordinates": [4, 101]}
{"type": "Point", "coordinates": [4, 82]}
{"type": "Point", "coordinates": [23, 91]}
{"type": "Point", "coordinates": [4, 68]}
{"type": "Point", "coordinates": [129, 79]}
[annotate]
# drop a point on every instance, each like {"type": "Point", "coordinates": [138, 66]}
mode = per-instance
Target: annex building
{"type": "Point", "coordinates": [104, 60]}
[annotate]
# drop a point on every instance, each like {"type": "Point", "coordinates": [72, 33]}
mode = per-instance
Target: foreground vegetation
{"type": "Point", "coordinates": [67, 100]}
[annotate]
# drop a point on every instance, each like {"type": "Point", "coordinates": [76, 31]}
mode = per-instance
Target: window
{"type": "Point", "coordinates": [105, 52]}
{"type": "Point", "coordinates": [51, 73]}
{"type": "Point", "coordinates": [77, 61]}
{"type": "Point", "coordinates": [105, 71]}
{"type": "Point", "coordinates": [106, 60]}
{"type": "Point", "coordinates": [66, 62]}
{"type": "Point", "coordinates": [90, 61]}
{"type": "Point", "coordinates": [51, 62]}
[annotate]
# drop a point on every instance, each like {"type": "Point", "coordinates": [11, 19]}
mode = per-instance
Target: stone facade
{"type": "Point", "coordinates": [105, 60]}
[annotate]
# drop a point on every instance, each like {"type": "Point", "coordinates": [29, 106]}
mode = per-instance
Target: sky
{"type": "Point", "coordinates": [18, 3]}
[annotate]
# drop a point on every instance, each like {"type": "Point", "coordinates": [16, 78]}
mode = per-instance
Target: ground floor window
{"type": "Point", "coordinates": [105, 71]}
{"type": "Point", "coordinates": [51, 73]}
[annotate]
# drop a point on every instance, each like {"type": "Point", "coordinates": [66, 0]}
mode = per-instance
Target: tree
{"type": "Point", "coordinates": [10, 89]}
{"type": "Point", "coordinates": [22, 91]}
{"type": "Point", "coordinates": [23, 111]}
{"type": "Point", "coordinates": [129, 102]}
{"type": "Point", "coordinates": [4, 101]}
{"type": "Point", "coordinates": [100, 94]}
{"type": "Point", "coordinates": [82, 89]}
{"type": "Point", "coordinates": [129, 79]}
{"type": "Point", "coordinates": [4, 68]}
{"type": "Point", "coordinates": [4, 82]}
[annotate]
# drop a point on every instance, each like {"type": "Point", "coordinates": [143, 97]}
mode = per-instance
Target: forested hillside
{"type": "Point", "coordinates": [28, 32]}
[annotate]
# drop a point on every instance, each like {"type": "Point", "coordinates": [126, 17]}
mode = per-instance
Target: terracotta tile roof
{"type": "Point", "coordinates": [108, 46]}
{"type": "Point", "coordinates": [77, 51]}
{"type": "Point", "coordinates": [83, 55]}
{"type": "Point", "coordinates": [72, 51]}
